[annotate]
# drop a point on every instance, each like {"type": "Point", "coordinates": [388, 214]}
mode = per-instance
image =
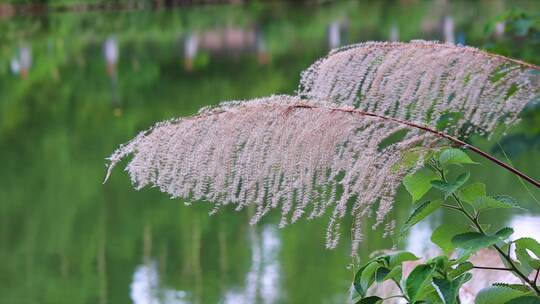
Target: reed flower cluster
{"type": "Point", "coordinates": [318, 151]}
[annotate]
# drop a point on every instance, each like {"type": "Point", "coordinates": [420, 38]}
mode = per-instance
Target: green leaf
{"type": "Point", "coordinates": [368, 275]}
{"type": "Point", "coordinates": [421, 212]}
{"type": "Point", "coordinates": [449, 289]}
{"type": "Point", "coordinates": [523, 246]}
{"type": "Point", "coordinates": [518, 287]}
{"type": "Point", "coordinates": [454, 156]}
{"type": "Point", "coordinates": [357, 284]}
{"type": "Point", "coordinates": [474, 241]}
{"type": "Point", "coordinates": [460, 269]}
{"type": "Point", "coordinates": [442, 236]}
{"type": "Point", "coordinates": [525, 300]}
{"type": "Point", "coordinates": [462, 255]}
{"type": "Point", "coordinates": [429, 295]}
{"type": "Point", "coordinates": [449, 188]}
{"type": "Point", "coordinates": [440, 263]}
{"type": "Point", "coordinates": [419, 183]}
{"type": "Point", "coordinates": [508, 200]}
{"type": "Point", "coordinates": [395, 273]}
{"type": "Point", "coordinates": [370, 300]}
{"type": "Point", "coordinates": [381, 273]}
{"type": "Point", "coordinates": [418, 280]}
{"type": "Point", "coordinates": [470, 192]}
{"type": "Point", "coordinates": [400, 257]}
{"type": "Point", "coordinates": [497, 295]}
{"type": "Point", "coordinates": [504, 233]}
{"type": "Point", "coordinates": [490, 202]}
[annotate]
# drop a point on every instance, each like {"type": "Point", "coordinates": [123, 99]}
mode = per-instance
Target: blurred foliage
{"type": "Point", "coordinates": [521, 37]}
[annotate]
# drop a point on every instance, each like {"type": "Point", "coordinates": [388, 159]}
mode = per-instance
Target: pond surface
{"type": "Point", "coordinates": [73, 86]}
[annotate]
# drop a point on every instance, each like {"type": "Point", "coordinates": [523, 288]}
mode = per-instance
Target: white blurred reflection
{"type": "Point", "coordinates": [334, 34]}
{"type": "Point", "coordinates": [526, 226]}
{"type": "Point", "coordinates": [262, 281]}
{"type": "Point", "coordinates": [394, 33]}
{"type": "Point", "coordinates": [448, 30]}
{"type": "Point", "coordinates": [21, 62]}
{"type": "Point", "coordinates": [419, 240]}
{"type": "Point", "coordinates": [146, 289]}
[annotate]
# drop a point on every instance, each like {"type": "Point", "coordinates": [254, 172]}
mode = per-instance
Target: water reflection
{"type": "Point", "coordinates": [262, 283]}
{"type": "Point", "coordinates": [419, 239]}
{"type": "Point", "coordinates": [146, 287]}
{"type": "Point", "coordinates": [394, 33]}
{"type": "Point", "coordinates": [525, 226]}
{"type": "Point", "coordinates": [229, 40]}
{"type": "Point", "coordinates": [190, 50]}
{"type": "Point", "coordinates": [22, 61]}
{"type": "Point", "coordinates": [111, 53]}
{"type": "Point", "coordinates": [449, 29]}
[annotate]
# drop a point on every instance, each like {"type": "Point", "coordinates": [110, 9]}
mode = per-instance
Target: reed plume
{"type": "Point", "coordinates": [335, 146]}
{"type": "Point", "coordinates": [461, 90]}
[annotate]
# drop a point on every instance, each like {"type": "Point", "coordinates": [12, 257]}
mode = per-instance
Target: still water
{"type": "Point", "coordinates": [74, 85]}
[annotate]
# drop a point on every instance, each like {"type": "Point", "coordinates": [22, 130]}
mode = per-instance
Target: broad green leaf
{"type": "Point", "coordinates": [357, 283]}
{"type": "Point", "coordinates": [400, 257]}
{"type": "Point", "coordinates": [368, 275]}
{"type": "Point", "coordinates": [508, 200]}
{"type": "Point", "coordinates": [428, 295]}
{"type": "Point", "coordinates": [440, 263]}
{"type": "Point", "coordinates": [383, 260]}
{"type": "Point", "coordinates": [504, 233]}
{"type": "Point", "coordinates": [418, 279]}
{"type": "Point", "coordinates": [525, 300]}
{"type": "Point", "coordinates": [518, 287]}
{"type": "Point", "coordinates": [489, 202]}
{"type": "Point", "coordinates": [497, 295]}
{"type": "Point", "coordinates": [381, 273]}
{"type": "Point", "coordinates": [462, 255]}
{"type": "Point", "coordinates": [419, 183]}
{"type": "Point", "coordinates": [474, 241]}
{"type": "Point", "coordinates": [454, 156]}
{"type": "Point", "coordinates": [442, 236]}
{"type": "Point", "coordinates": [370, 300]}
{"type": "Point", "coordinates": [450, 187]}
{"type": "Point", "coordinates": [460, 269]}
{"type": "Point", "coordinates": [469, 193]}
{"type": "Point", "coordinates": [449, 289]}
{"type": "Point", "coordinates": [523, 246]}
{"type": "Point", "coordinates": [395, 273]}
{"type": "Point", "coordinates": [421, 212]}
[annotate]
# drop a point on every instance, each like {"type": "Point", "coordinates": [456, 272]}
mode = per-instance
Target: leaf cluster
{"type": "Point", "coordinates": [439, 279]}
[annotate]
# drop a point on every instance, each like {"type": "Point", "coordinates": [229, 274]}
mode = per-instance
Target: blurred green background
{"type": "Point", "coordinates": [78, 79]}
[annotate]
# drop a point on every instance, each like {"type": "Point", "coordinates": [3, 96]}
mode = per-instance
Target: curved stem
{"type": "Point", "coordinates": [439, 134]}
